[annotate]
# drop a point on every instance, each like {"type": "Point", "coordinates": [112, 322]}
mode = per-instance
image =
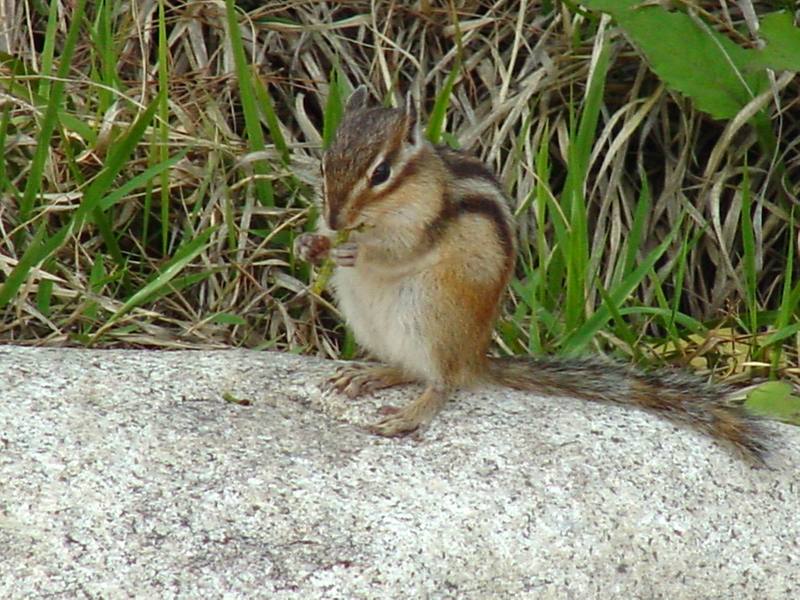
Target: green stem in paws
{"type": "Point", "coordinates": [326, 270]}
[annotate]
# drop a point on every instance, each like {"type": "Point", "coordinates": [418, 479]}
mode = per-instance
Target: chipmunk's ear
{"type": "Point", "coordinates": [357, 100]}
{"type": "Point", "coordinates": [412, 123]}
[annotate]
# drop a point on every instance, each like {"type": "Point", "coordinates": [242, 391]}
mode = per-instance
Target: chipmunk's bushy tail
{"type": "Point", "coordinates": [680, 397]}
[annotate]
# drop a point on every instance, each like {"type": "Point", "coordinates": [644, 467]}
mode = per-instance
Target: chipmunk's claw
{"type": "Point", "coordinates": [399, 422]}
{"type": "Point", "coordinates": [355, 380]}
{"type": "Point", "coordinates": [345, 255]}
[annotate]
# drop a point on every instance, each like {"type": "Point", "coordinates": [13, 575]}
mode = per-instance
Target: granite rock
{"type": "Point", "coordinates": [194, 474]}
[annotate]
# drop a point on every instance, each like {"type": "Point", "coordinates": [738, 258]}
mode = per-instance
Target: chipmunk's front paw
{"type": "Point", "coordinates": [345, 255]}
{"type": "Point", "coordinates": [354, 380]}
{"type": "Point", "coordinates": [312, 247]}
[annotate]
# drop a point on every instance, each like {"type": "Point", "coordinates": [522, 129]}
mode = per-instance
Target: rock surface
{"type": "Point", "coordinates": [126, 473]}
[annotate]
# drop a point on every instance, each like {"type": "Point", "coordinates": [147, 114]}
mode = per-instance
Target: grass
{"type": "Point", "coordinates": [158, 165]}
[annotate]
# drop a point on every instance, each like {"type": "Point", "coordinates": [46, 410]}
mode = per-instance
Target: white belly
{"type": "Point", "coordinates": [385, 318]}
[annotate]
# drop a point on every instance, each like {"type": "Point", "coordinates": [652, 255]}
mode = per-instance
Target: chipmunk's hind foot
{"type": "Point", "coordinates": [420, 412]}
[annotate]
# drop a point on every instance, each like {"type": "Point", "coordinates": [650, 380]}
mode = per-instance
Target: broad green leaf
{"type": "Point", "coordinates": [690, 56]}
{"type": "Point", "coordinates": [782, 52]}
{"type": "Point", "coordinates": [775, 399]}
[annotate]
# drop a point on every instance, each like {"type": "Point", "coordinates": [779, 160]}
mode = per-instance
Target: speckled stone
{"type": "Point", "coordinates": [125, 473]}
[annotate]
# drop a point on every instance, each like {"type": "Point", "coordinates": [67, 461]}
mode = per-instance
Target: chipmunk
{"type": "Point", "coordinates": [420, 280]}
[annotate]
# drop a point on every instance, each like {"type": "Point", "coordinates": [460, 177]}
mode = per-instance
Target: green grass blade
{"type": "Point", "coordinates": [41, 247]}
{"type": "Point", "coordinates": [790, 302]}
{"type": "Point", "coordinates": [439, 112]}
{"type": "Point", "coordinates": [163, 122]}
{"type": "Point", "coordinates": [271, 119]}
{"type": "Point", "coordinates": [664, 303]}
{"type": "Point", "coordinates": [550, 279]}
{"type": "Point", "coordinates": [103, 38]}
{"type": "Point", "coordinates": [635, 237]}
{"type": "Point", "coordinates": [786, 331]}
{"type": "Point", "coordinates": [576, 251]}
{"type": "Point", "coordinates": [44, 296]}
{"type": "Point", "coordinates": [69, 121]}
{"type": "Point", "coordinates": [685, 321]}
{"type": "Point", "coordinates": [334, 107]}
{"type": "Point", "coordinates": [103, 223]}
{"type": "Point", "coordinates": [50, 119]}
{"type": "Point", "coordinates": [516, 160]}
{"type": "Point", "coordinates": [437, 117]}
{"type": "Point", "coordinates": [183, 256]}
{"type": "Point", "coordinates": [139, 180]}
{"type": "Point", "coordinates": [116, 160]}
{"type": "Point", "coordinates": [790, 299]}
{"type": "Point", "coordinates": [622, 330]}
{"type": "Point", "coordinates": [680, 273]}
{"type": "Point", "coordinates": [27, 261]}
{"type": "Point", "coordinates": [749, 259]}
{"type": "Point", "coordinates": [255, 136]}
{"type": "Point", "coordinates": [147, 200]}
{"type": "Point", "coordinates": [581, 338]}
{"type": "Point", "coordinates": [5, 182]}
{"type": "Point", "coordinates": [97, 275]}
{"type": "Point", "coordinates": [49, 49]}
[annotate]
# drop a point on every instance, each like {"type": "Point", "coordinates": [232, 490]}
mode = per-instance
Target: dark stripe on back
{"type": "Point", "coordinates": [490, 209]}
{"type": "Point", "coordinates": [481, 205]}
{"type": "Point", "coordinates": [463, 166]}
{"type": "Point", "coordinates": [447, 215]}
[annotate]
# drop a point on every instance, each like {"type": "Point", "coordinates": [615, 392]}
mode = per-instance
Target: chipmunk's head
{"type": "Point", "coordinates": [374, 151]}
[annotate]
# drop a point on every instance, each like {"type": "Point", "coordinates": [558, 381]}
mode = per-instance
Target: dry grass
{"type": "Point", "coordinates": [521, 78]}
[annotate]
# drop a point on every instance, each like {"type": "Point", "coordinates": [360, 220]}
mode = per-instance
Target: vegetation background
{"type": "Point", "coordinates": [159, 157]}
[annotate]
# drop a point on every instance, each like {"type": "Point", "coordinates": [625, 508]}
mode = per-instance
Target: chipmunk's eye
{"type": "Point", "coordinates": [380, 174]}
